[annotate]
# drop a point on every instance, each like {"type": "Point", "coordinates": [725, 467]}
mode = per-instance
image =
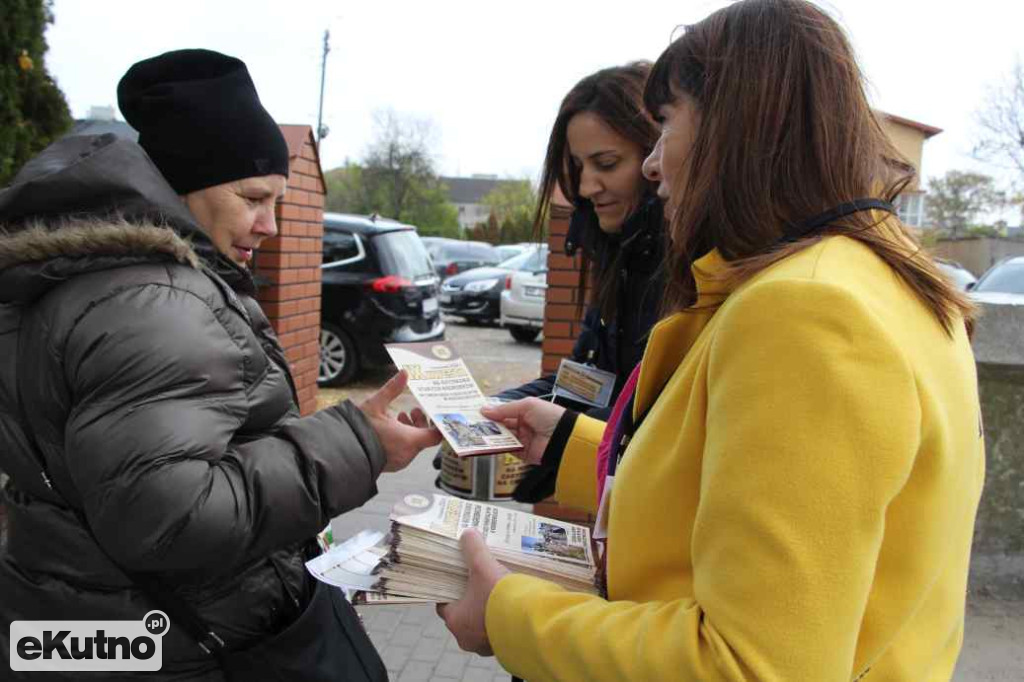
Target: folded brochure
{"type": "Point", "coordinates": [420, 560]}
{"type": "Point", "coordinates": [440, 381]}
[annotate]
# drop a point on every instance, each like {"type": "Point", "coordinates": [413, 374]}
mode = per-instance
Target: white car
{"type": "Point", "coordinates": [522, 304]}
{"type": "Point", "coordinates": [1002, 284]}
{"type": "Point", "coordinates": [961, 276]}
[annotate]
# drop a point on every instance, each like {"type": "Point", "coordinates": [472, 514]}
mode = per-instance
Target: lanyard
{"type": "Point", "coordinates": [795, 231]}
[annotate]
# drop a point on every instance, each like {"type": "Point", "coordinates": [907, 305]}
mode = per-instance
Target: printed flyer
{"type": "Point", "coordinates": [447, 392]}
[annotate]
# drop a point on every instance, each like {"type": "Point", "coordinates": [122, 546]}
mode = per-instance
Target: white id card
{"type": "Point", "coordinates": [584, 384]}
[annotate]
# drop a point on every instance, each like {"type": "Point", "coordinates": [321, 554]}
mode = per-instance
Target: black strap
{"type": "Point", "coordinates": [177, 610]}
{"type": "Point", "coordinates": [794, 231]}
{"type": "Point", "coordinates": [629, 428]}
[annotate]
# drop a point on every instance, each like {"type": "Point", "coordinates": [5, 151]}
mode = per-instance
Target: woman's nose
{"type": "Point", "coordinates": [266, 223]}
{"type": "Point", "coordinates": [651, 167]}
{"type": "Point", "coordinates": [590, 186]}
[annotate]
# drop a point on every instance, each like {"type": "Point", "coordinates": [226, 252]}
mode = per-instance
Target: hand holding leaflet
{"type": "Point", "coordinates": [441, 382]}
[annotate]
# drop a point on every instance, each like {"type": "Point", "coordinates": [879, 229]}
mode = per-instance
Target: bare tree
{"type": "Point", "coordinates": [399, 161]}
{"type": "Point", "coordinates": [1001, 123]}
{"type": "Point", "coordinates": [396, 178]}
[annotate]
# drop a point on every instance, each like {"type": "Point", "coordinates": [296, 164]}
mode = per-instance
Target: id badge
{"type": "Point", "coordinates": [584, 384]}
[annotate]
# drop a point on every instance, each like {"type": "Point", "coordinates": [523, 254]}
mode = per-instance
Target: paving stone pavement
{"type": "Point", "coordinates": [412, 640]}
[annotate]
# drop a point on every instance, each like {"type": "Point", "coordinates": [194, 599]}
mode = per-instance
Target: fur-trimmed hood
{"type": "Point", "coordinates": [94, 202]}
{"type": "Point", "coordinates": [93, 237]}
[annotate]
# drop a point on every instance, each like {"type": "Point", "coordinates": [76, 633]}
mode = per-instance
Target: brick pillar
{"type": "Point", "coordinates": [288, 266]}
{"type": "Point", "coordinates": [562, 325]}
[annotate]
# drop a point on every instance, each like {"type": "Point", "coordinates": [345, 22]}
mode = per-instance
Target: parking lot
{"type": "Point", "coordinates": [495, 359]}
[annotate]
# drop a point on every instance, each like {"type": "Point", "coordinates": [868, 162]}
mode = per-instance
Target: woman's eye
{"type": "Point", "coordinates": [608, 165]}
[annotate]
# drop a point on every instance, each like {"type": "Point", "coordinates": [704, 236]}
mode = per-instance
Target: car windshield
{"type": "Point", "coordinates": [482, 252]}
{"type": "Point", "coordinates": [533, 259]}
{"type": "Point", "coordinates": [1007, 278]}
{"type": "Point", "coordinates": [506, 252]}
{"type": "Point", "coordinates": [402, 253]}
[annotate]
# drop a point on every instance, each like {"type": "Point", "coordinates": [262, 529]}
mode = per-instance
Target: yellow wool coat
{"type": "Point", "coordinates": [797, 505]}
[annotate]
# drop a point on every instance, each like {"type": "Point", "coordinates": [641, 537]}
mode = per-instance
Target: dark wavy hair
{"type": "Point", "coordinates": [615, 95]}
{"type": "Point", "coordinates": [785, 133]}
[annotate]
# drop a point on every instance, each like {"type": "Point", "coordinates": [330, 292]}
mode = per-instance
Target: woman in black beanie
{"type": "Point", "coordinates": [148, 419]}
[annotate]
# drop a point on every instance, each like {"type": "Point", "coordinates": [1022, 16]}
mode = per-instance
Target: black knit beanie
{"type": "Point", "coordinates": [200, 120]}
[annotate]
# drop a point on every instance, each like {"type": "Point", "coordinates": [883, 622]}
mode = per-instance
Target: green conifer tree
{"type": "Point", "coordinates": [33, 111]}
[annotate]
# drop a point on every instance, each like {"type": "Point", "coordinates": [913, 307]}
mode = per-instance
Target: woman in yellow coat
{"type": "Point", "coordinates": [797, 497]}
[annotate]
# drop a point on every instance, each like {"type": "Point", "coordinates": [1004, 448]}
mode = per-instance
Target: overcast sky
{"type": "Point", "coordinates": [490, 75]}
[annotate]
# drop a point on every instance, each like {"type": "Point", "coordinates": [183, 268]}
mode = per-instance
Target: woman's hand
{"type": "Point", "coordinates": [466, 618]}
{"type": "Point", "coordinates": [532, 420]}
{"type": "Point", "coordinates": [402, 439]}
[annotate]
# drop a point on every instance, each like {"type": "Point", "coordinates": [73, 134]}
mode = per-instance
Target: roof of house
{"type": "Point", "coordinates": [929, 131]}
{"type": "Point", "coordinates": [470, 190]}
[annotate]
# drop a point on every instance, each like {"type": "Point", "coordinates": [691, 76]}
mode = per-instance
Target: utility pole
{"type": "Point", "coordinates": [321, 131]}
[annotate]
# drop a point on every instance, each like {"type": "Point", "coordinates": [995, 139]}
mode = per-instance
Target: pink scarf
{"type": "Point", "coordinates": [604, 450]}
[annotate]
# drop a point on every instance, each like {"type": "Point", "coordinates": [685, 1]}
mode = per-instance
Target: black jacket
{"type": "Point", "coordinates": [618, 345]}
{"type": "Point", "coordinates": [138, 363]}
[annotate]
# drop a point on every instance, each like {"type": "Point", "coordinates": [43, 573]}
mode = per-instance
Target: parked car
{"type": "Point", "coordinates": [452, 256]}
{"type": "Point", "coordinates": [961, 276]}
{"type": "Point", "coordinates": [506, 251]}
{"type": "Point", "coordinates": [475, 295]}
{"type": "Point", "coordinates": [1002, 283]}
{"type": "Point", "coordinates": [522, 304]}
{"type": "Point", "coordinates": [378, 287]}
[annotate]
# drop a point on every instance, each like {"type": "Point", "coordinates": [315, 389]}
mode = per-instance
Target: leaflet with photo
{"type": "Point", "coordinates": [447, 392]}
{"type": "Point", "coordinates": [505, 530]}
{"type": "Point", "coordinates": [420, 559]}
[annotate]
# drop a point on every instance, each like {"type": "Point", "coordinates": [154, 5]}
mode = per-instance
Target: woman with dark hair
{"type": "Point", "coordinates": [795, 477]}
{"type": "Point", "coordinates": [595, 154]}
{"type": "Point", "coordinates": [148, 417]}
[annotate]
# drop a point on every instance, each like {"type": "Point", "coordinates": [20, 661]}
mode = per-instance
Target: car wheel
{"type": "Point", "coordinates": [524, 334]}
{"type": "Point", "coordinates": [338, 360]}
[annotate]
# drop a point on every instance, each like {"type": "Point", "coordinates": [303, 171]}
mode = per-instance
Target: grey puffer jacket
{"type": "Point", "coordinates": [143, 370]}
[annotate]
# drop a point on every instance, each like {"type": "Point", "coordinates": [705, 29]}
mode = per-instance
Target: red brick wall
{"type": "Point", "coordinates": [561, 321]}
{"type": "Point", "coordinates": [290, 263]}
{"type": "Point", "coordinates": [561, 327]}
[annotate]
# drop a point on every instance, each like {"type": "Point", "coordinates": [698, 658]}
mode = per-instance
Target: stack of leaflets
{"type": "Point", "coordinates": [447, 392]}
{"type": "Point", "coordinates": [420, 560]}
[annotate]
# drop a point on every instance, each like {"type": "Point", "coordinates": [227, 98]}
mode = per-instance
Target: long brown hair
{"type": "Point", "coordinates": [785, 133]}
{"type": "Point", "coordinates": [615, 95]}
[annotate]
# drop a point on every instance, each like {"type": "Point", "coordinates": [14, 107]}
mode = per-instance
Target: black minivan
{"type": "Point", "coordinates": [379, 287]}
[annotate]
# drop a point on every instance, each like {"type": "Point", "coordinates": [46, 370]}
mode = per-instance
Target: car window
{"type": "Point", "coordinates": [483, 252]}
{"type": "Point", "coordinates": [538, 261]}
{"type": "Point", "coordinates": [339, 246]}
{"type": "Point", "coordinates": [506, 252]}
{"type": "Point", "coordinates": [455, 251]}
{"type": "Point", "coordinates": [517, 262]}
{"type": "Point", "coordinates": [402, 253]}
{"type": "Point", "coordinates": [1007, 278]}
